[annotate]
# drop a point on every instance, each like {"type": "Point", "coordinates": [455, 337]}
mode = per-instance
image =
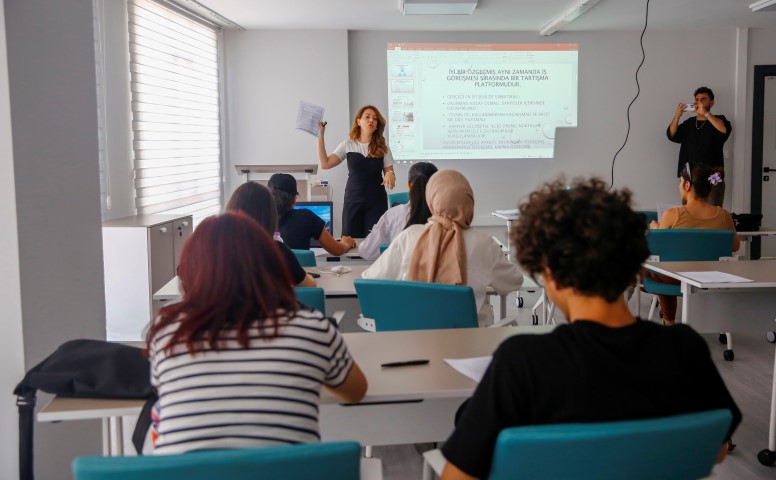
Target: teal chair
{"type": "Point", "coordinates": [306, 257]}
{"type": "Point", "coordinates": [680, 447]}
{"type": "Point", "coordinates": [388, 305]}
{"type": "Point", "coordinates": [384, 247]}
{"type": "Point", "coordinates": [398, 198]}
{"type": "Point", "coordinates": [686, 245]}
{"type": "Point", "coordinates": [327, 461]}
{"type": "Point", "coordinates": [312, 297]}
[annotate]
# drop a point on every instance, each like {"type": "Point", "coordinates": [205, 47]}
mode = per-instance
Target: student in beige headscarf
{"type": "Point", "coordinates": [446, 249]}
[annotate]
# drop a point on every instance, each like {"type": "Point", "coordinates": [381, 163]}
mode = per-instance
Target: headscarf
{"type": "Point", "coordinates": [440, 253]}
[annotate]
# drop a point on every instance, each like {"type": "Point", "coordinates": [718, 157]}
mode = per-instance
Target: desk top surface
{"type": "Point", "coordinates": [761, 272]}
{"type": "Point", "coordinates": [370, 350]}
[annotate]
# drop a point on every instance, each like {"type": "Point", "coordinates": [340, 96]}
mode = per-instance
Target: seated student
{"type": "Point", "coordinates": [446, 249]}
{"type": "Point", "coordinates": [256, 200]}
{"type": "Point", "coordinates": [605, 365]}
{"type": "Point", "coordinates": [236, 363]}
{"type": "Point", "coordinates": [398, 218]}
{"type": "Point", "coordinates": [297, 227]}
{"type": "Point", "coordinates": [695, 185]}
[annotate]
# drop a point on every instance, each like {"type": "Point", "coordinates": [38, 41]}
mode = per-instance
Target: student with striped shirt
{"type": "Point", "coordinates": [236, 363]}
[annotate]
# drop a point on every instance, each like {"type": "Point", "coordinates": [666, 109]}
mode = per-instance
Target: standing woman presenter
{"type": "Point", "coordinates": [370, 170]}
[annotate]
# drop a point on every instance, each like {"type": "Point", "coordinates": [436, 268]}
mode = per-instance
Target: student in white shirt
{"type": "Point", "coordinates": [447, 250]}
{"type": "Point", "coordinates": [396, 219]}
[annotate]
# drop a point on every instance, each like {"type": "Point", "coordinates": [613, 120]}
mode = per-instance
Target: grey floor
{"type": "Point", "coordinates": [748, 377]}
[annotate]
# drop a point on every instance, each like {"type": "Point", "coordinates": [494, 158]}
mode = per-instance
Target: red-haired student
{"type": "Point", "coordinates": [236, 363]}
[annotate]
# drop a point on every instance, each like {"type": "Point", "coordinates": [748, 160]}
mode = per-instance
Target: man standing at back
{"type": "Point", "coordinates": [701, 137]}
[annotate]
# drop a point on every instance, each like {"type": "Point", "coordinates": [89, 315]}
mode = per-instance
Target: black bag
{"type": "Point", "coordinates": [83, 368]}
{"type": "Point", "coordinates": [747, 222]}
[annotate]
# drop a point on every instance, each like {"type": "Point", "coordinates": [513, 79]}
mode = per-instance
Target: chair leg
{"type": "Point", "coordinates": [728, 354]}
{"type": "Point", "coordinates": [550, 314]}
{"type": "Point", "coordinates": [652, 307]}
{"type": "Point", "coordinates": [368, 451]}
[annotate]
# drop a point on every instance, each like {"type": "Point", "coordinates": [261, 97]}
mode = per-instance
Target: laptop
{"type": "Point", "coordinates": [325, 211]}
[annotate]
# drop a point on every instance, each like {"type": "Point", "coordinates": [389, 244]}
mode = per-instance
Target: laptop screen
{"type": "Point", "coordinates": [324, 210]}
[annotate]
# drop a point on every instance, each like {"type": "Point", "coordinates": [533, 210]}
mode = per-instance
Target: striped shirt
{"type": "Point", "coordinates": [233, 397]}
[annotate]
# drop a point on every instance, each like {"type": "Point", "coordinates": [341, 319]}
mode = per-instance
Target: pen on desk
{"type": "Point", "coordinates": [408, 363]}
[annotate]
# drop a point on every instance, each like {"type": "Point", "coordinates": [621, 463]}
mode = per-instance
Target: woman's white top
{"type": "Point", "coordinates": [385, 230]}
{"type": "Point", "coordinates": [486, 265]}
{"type": "Point", "coordinates": [363, 148]}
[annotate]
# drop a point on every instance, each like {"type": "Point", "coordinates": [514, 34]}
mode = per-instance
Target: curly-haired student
{"type": "Point", "coordinates": [587, 245]}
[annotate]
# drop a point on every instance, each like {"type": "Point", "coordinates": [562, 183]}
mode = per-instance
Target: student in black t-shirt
{"type": "Point", "coordinates": [605, 365]}
{"type": "Point", "coordinates": [256, 200]}
{"type": "Point", "coordinates": [297, 227]}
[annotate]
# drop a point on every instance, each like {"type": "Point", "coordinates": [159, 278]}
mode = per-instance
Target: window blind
{"type": "Point", "coordinates": [174, 80]}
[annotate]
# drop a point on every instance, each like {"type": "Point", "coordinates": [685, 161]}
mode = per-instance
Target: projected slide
{"type": "Point", "coordinates": [461, 101]}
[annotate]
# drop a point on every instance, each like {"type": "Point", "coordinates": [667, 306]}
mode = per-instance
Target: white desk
{"type": "Point", "coordinates": [509, 217]}
{"type": "Point", "coordinates": [333, 285]}
{"type": "Point", "coordinates": [747, 237]}
{"type": "Point", "coordinates": [729, 307]}
{"type": "Point", "coordinates": [403, 405]}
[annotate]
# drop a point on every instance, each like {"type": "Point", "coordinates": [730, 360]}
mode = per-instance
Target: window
{"type": "Point", "coordinates": [176, 128]}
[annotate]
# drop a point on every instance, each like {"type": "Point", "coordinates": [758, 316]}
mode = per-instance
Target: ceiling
{"type": "Point", "coordinates": [491, 15]}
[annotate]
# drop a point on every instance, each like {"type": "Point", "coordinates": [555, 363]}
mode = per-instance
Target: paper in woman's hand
{"type": "Point", "coordinates": [309, 117]}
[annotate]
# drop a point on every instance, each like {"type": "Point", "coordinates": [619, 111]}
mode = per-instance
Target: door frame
{"type": "Point", "coordinates": [758, 113]}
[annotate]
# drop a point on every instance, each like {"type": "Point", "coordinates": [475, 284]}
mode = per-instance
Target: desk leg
{"type": "Point", "coordinates": [116, 437]}
{"type": "Point", "coordinates": [105, 437]}
{"type": "Point", "coordinates": [772, 428]}
{"type": "Point", "coordinates": [503, 305]}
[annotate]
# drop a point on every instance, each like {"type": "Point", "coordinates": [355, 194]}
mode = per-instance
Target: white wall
{"type": "Point", "coordinates": [11, 341]}
{"type": "Point", "coordinates": [267, 74]}
{"type": "Point", "coordinates": [53, 96]}
{"type": "Point", "coordinates": [677, 62]}
{"type": "Point", "coordinates": [118, 116]}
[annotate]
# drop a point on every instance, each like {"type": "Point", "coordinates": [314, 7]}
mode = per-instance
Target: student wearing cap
{"type": "Point", "coordinates": [370, 170]}
{"type": "Point", "coordinates": [297, 227]}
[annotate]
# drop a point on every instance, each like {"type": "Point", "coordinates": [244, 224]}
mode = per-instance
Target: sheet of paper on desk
{"type": "Point", "coordinates": [308, 118]}
{"type": "Point", "coordinates": [473, 368]}
{"type": "Point", "coordinates": [714, 277]}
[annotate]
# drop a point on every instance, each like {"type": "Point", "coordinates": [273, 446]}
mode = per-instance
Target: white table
{"type": "Point", "coordinates": [747, 237]}
{"type": "Point", "coordinates": [402, 405]}
{"type": "Point", "coordinates": [335, 286]}
{"type": "Point", "coordinates": [729, 307]}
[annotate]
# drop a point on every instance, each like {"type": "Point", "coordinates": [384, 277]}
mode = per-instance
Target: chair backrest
{"type": "Point", "coordinates": [398, 198]}
{"type": "Point", "coordinates": [402, 305]}
{"type": "Point", "coordinates": [384, 247]}
{"type": "Point", "coordinates": [312, 297]}
{"type": "Point", "coordinates": [680, 447]}
{"type": "Point", "coordinates": [690, 245]}
{"type": "Point", "coordinates": [306, 257]}
{"type": "Point", "coordinates": [329, 461]}
{"type": "Point", "coordinates": [649, 215]}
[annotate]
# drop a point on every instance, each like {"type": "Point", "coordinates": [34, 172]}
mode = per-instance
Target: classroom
{"type": "Point", "coordinates": [331, 54]}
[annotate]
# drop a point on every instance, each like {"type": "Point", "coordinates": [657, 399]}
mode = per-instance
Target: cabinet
{"type": "Point", "coordinates": [141, 254]}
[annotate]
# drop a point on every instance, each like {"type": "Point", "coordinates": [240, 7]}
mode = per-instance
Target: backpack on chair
{"type": "Point", "coordinates": [87, 369]}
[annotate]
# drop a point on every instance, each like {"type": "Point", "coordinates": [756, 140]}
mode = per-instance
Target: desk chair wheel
{"type": "Point", "coordinates": [731, 445]}
{"type": "Point", "coordinates": [519, 301]}
{"type": "Point", "coordinates": [722, 338]}
{"type": "Point", "coordinates": [534, 319]}
{"type": "Point", "coordinates": [767, 457]}
{"type": "Point", "coordinates": [728, 355]}
{"type": "Point", "coordinates": [771, 336]}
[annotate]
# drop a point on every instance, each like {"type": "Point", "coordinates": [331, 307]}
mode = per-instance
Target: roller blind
{"type": "Point", "coordinates": [174, 79]}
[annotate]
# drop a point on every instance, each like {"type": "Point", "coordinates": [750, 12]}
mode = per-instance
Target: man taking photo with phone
{"type": "Point", "coordinates": [701, 137]}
